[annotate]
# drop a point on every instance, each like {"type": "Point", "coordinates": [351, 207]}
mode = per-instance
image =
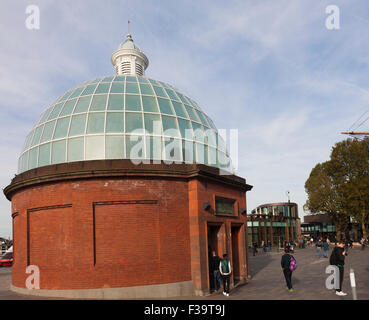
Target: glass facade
{"type": "Point", "coordinates": [124, 117]}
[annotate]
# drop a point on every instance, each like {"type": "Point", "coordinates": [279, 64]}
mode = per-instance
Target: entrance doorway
{"type": "Point", "coordinates": [235, 233]}
{"type": "Point", "coordinates": [213, 231]}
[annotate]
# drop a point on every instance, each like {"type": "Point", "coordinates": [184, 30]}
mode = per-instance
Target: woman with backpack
{"type": "Point", "coordinates": [288, 264]}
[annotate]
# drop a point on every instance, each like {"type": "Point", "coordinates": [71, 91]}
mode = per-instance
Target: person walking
{"type": "Point", "coordinates": [215, 261]}
{"type": "Point", "coordinates": [319, 246]}
{"type": "Point", "coordinates": [270, 245]}
{"type": "Point", "coordinates": [325, 248]}
{"type": "Point", "coordinates": [263, 245]}
{"type": "Point", "coordinates": [338, 259]}
{"type": "Point", "coordinates": [225, 270]}
{"type": "Point", "coordinates": [254, 249]}
{"type": "Point", "coordinates": [363, 243]}
{"type": "Point", "coordinates": [286, 261]}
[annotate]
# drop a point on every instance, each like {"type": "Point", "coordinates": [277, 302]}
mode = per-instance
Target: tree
{"type": "Point", "coordinates": [340, 186]}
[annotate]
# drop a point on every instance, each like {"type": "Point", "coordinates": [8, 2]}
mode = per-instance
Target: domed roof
{"type": "Point", "coordinates": [123, 117]}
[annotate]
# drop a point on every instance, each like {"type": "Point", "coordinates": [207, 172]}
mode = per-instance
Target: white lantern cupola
{"type": "Point", "coordinates": [129, 59]}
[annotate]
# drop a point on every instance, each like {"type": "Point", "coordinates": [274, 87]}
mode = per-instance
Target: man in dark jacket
{"type": "Point", "coordinates": [338, 259]}
{"type": "Point", "coordinates": [215, 261]}
{"type": "Point", "coordinates": [285, 264]}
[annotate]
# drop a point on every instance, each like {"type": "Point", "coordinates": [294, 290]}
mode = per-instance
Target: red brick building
{"type": "Point", "coordinates": [103, 218]}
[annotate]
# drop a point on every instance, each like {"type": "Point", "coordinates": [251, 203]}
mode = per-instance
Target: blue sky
{"type": "Point", "coordinates": [270, 69]}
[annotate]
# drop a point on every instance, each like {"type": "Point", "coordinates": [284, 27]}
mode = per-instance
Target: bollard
{"type": "Point", "coordinates": [353, 284]}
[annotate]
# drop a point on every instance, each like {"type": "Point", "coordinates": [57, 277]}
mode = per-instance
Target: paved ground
{"type": "Point", "coordinates": [308, 280]}
{"type": "Point", "coordinates": [267, 281]}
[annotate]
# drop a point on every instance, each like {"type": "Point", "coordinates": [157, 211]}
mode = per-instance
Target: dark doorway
{"type": "Point", "coordinates": [212, 246]}
{"type": "Point", "coordinates": [235, 233]}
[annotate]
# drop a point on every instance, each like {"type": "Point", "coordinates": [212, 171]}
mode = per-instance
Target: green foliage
{"type": "Point", "coordinates": [340, 186]}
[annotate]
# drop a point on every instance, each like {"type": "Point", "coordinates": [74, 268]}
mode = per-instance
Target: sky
{"type": "Point", "coordinates": [270, 69]}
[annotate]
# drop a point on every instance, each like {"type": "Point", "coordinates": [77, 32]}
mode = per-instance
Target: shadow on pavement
{"type": "Point", "coordinates": [258, 263]}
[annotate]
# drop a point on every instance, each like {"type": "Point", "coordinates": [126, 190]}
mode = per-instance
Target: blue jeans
{"type": "Point", "coordinates": [217, 277]}
{"type": "Point", "coordinates": [319, 252]}
{"type": "Point", "coordinates": [326, 253]}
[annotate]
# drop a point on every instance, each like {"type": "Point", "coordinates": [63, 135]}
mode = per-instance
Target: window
{"type": "Point", "coordinates": [224, 206]}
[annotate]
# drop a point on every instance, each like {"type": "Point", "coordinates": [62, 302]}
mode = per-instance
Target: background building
{"type": "Point", "coordinates": [119, 192]}
{"type": "Point", "coordinates": [275, 222]}
{"type": "Point", "coordinates": [322, 225]}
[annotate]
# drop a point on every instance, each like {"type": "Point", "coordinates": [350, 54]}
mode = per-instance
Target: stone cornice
{"type": "Point", "coordinates": [120, 168]}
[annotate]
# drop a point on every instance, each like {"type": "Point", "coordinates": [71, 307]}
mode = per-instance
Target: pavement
{"type": "Point", "coordinates": [267, 280]}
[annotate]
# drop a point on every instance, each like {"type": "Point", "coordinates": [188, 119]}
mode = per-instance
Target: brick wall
{"type": "Point", "coordinates": [132, 244]}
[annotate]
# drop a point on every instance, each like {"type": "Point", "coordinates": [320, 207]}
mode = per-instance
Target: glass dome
{"type": "Point", "coordinates": [124, 117]}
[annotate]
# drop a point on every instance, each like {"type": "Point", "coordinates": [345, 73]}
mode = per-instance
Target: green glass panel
{"type": "Point", "coordinates": [135, 147]}
{"type": "Point", "coordinates": [164, 106]}
{"type": "Point", "coordinates": [96, 122]}
{"type": "Point", "coordinates": [48, 131]}
{"type": "Point", "coordinates": [114, 147]}
{"type": "Point", "coordinates": [61, 128]}
{"type": "Point", "coordinates": [117, 87]}
{"type": "Point", "coordinates": [28, 140]}
{"type": "Point", "coordinates": [149, 104]}
{"type": "Point", "coordinates": [115, 122]}
{"type": "Point", "coordinates": [108, 79]}
{"type": "Point", "coordinates": [95, 147]}
{"type": "Point", "coordinates": [44, 155]}
{"type": "Point", "coordinates": [103, 88]}
{"type": "Point", "coordinates": [78, 125]}
{"type": "Point", "coordinates": [131, 79]}
{"type": "Point", "coordinates": [33, 158]}
{"type": "Point", "coordinates": [58, 152]}
{"type": "Point", "coordinates": [211, 137]}
{"type": "Point", "coordinates": [202, 118]}
{"type": "Point", "coordinates": [183, 98]}
{"type": "Point", "coordinates": [65, 96]}
{"type": "Point", "coordinates": [146, 89]}
{"type": "Point", "coordinates": [192, 114]}
{"type": "Point", "coordinates": [189, 151]}
{"type": "Point", "coordinates": [159, 91]}
{"type": "Point", "coordinates": [46, 115]}
{"type": "Point", "coordinates": [198, 132]}
{"type": "Point", "coordinates": [120, 78]}
{"type": "Point", "coordinates": [173, 149]}
{"type": "Point", "coordinates": [116, 102]}
{"type": "Point", "coordinates": [212, 157]}
{"type": "Point", "coordinates": [150, 119]}
{"type": "Point", "coordinates": [180, 110]}
{"type": "Point", "coordinates": [171, 94]}
{"type": "Point", "coordinates": [89, 90]}
{"type": "Point", "coordinates": [170, 126]}
{"type": "Point", "coordinates": [201, 153]}
{"type": "Point", "coordinates": [37, 136]}
{"type": "Point", "coordinates": [154, 82]}
{"type": "Point", "coordinates": [76, 93]}
{"type": "Point", "coordinates": [185, 128]}
{"type": "Point", "coordinates": [98, 103]}
{"type": "Point", "coordinates": [142, 80]}
{"type": "Point", "coordinates": [68, 108]}
{"type": "Point", "coordinates": [76, 149]}
{"type": "Point", "coordinates": [154, 148]}
{"type": "Point", "coordinates": [25, 161]}
{"type": "Point", "coordinates": [133, 103]}
{"type": "Point", "coordinates": [133, 122]}
{"type": "Point", "coordinates": [55, 111]}
{"type": "Point", "coordinates": [132, 88]}
{"type": "Point", "coordinates": [82, 104]}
